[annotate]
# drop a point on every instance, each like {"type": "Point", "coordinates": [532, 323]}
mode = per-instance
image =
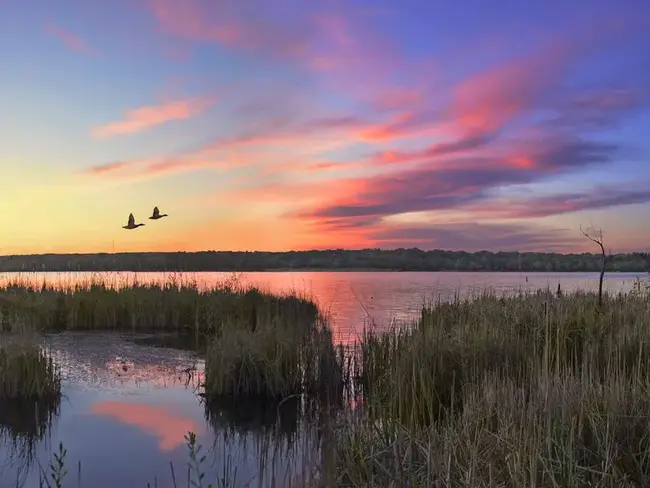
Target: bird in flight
{"type": "Point", "coordinates": [131, 224]}
{"type": "Point", "coordinates": [157, 215]}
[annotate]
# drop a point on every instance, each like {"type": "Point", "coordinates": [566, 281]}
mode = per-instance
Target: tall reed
{"type": "Point", "coordinates": [526, 391]}
{"type": "Point", "coordinates": [155, 307]}
{"type": "Point", "coordinates": [273, 361]}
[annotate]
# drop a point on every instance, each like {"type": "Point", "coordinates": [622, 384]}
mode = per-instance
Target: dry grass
{"type": "Point", "coordinates": [528, 391]}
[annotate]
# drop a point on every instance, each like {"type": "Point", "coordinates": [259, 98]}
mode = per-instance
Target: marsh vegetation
{"type": "Point", "coordinates": [530, 390]}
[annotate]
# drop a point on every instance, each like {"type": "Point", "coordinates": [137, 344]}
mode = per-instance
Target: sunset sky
{"type": "Point", "coordinates": [287, 124]}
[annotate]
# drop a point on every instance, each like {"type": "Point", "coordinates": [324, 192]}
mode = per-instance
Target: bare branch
{"type": "Point", "coordinates": [596, 236]}
{"type": "Point", "coordinates": [593, 235]}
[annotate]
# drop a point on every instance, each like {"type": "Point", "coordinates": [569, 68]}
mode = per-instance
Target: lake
{"type": "Point", "coordinates": [130, 399]}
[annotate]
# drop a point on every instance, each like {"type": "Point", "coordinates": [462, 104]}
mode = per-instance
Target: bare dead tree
{"type": "Point", "coordinates": [596, 236]}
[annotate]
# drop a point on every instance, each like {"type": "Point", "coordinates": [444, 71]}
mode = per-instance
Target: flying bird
{"type": "Point", "coordinates": [157, 215]}
{"type": "Point", "coordinates": [131, 224]}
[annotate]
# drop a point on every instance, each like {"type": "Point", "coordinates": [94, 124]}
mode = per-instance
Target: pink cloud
{"type": "Point", "coordinates": [221, 22]}
{"type": "Point", "coordinates": [334, 45]}
{"type": "Point", "coordinates": [72, 41]}
{"type": "Point", "coordinates": [456, 183]}
{"type": "Point", "coordinates": [246, 149]}
{"type": "Point", "coordinates": [142, 118]}
{"type": "Point", "coordinates": [562, 203]}
{"type": "Point", "coordinates": [487, 101]}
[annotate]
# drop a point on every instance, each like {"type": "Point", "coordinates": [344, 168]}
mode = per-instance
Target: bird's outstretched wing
{"type": "Point", "coordinates": [131, 219]}
{"type": "Point", "coordinates": [156, 212]}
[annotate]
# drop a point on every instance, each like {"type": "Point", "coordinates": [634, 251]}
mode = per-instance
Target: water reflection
{"type": "Point", "coordinates": [106, 360]}
{"type": "Point", "coordinates": [126, 409]}
{"type": "Point", "coordinates": [162, 422]}
{"type": "Point", "coordinates": [24, 424]}
{"type": "Point", "coordinates": [281, 418]}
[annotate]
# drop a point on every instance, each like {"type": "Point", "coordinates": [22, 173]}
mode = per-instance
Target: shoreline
{"type": "Point", "coordinates": [321, 270]}
{"type": "Point", "coordinates": [367, 260]}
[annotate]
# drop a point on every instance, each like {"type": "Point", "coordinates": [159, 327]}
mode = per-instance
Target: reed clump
{"type": "Point", "coordinates": [526, 391]}
{"type": "Point", "coordinates": [273, 361]}
{"type": "Point", "coordinates": [30, 395]}
{"type": "Point", "coordinates": [27, 373]}
{"type": "Point", "coordinates": [152, 307]}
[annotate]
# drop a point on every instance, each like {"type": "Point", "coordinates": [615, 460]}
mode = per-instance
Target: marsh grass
{"type": "Point", "coordinates": [273, 361]}
{"type": "Point", "coordinates": [522, 391]}
{"type": "Point", "coordinates": [529, 390]}
{"type": "Point", "coordinates": [257, 343]}
{"type": "Point", "coordinates": [167, 306]}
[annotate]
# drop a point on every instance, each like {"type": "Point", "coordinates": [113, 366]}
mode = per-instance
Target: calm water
{"type": "Point", "coordinates": [129, 402]}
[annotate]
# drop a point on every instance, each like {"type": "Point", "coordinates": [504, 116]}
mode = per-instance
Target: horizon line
{"type": "Point", "coordinates": [330, 250]}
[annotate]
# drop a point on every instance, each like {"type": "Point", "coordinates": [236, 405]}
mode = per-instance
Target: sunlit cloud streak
{"type": "Point", "coordinates": [71, 41]}
{"type": "Point", "coordinates": [143, 118]}
{"type": "Point", "coordinates": [460, 182]}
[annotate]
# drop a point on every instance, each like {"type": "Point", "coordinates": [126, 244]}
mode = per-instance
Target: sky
{"type": "Point", "coordinates": [285, 124]}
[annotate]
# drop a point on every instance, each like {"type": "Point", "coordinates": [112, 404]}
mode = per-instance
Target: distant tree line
{"type": "Point", "coordinates": [366, 259]}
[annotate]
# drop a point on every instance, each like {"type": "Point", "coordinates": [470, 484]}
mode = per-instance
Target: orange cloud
{"type": "Point", "coordinates": [142, 118]}
{"type": "Point", "coordinates": [71, 40]}
{"type": "Point", "coordinates": [293, 192]}
{"type": "Point", "coordinates": [167, 426]}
